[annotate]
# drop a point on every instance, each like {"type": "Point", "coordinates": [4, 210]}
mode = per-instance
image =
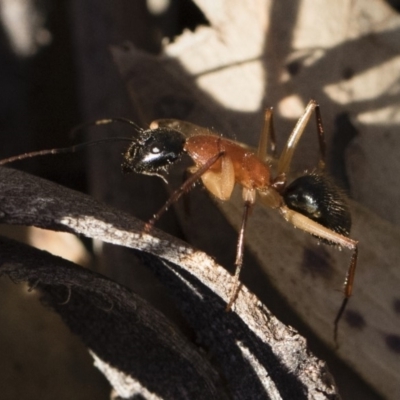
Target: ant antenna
{"type": "Point", "coordinates": [105, 121]}
{"type": "Point", "coordinates": [77, 147]}
{"type": "Point", "coordinates": [62, 150]}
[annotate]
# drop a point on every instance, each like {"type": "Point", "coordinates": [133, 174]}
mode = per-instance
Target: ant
{"type": "Point", "coordinates": [311, 202]}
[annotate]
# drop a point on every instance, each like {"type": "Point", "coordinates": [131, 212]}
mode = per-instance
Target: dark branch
{"type": "Point", "coordinates": [256, 355]}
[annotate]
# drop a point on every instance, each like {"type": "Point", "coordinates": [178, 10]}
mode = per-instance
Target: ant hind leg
{"type": "Point", "coordinates": [314, 228]}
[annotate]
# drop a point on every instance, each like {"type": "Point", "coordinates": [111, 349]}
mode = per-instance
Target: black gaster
{"type": "Point", "coordinates": [318, 198]}
{"type": "Point", "coordinates": [154, 151]}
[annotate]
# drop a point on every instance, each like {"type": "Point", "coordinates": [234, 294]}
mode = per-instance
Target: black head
{"type": "Point", "coordinates": [154, 151]}
{"type": "Point", "coordinates": [317, 197]}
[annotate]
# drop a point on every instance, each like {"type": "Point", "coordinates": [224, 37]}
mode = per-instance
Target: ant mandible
{"type": "Point", "coordinates": [311, 202]}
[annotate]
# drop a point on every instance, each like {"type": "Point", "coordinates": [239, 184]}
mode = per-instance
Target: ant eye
{"type": "Point", "coordinates": [318, 198]}
{"type": "Point", "coordinates": [154, 151]}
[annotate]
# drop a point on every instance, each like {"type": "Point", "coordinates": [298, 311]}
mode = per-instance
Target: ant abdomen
{"type": "Point", "coordinates": [154, 151]}
{"type": "Point", "coordinates": [318, 198]}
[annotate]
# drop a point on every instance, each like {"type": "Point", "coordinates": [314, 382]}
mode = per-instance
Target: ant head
{"type": "Point", "coordinates": [154, 151]}
{"type": "Point", "coordinates": [317, 197]}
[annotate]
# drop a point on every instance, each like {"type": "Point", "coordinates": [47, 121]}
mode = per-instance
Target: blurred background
{"type": "Point", "coordinates": [56, 71]}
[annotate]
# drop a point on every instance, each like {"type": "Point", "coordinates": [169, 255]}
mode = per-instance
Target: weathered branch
{"type": "Point", "coordinates": [254, 354]}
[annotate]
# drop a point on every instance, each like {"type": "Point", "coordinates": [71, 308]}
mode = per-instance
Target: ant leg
{"type": "Point", "coordinates": [186, 128]}
{"type": "Point", "coordinates": [186, 200]}
{"type": "Point", "coordinates": [287, 154]}
{"type": "Point", "coordinates": [348, 289]}
{"type": "Point", "coordinates": [185, 187]}
{"type": "Point", "coordinates": [66, 301]}
{"type": "Point", "coordinates": [268, 133]}
{"type": "Point", "coordinates": [306, 224]}
{"type": "Point", "coordinates": [249, 197]}
{"type": "Point", "coordinates": [321, 138]}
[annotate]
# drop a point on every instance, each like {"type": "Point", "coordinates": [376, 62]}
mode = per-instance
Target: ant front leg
{"type": "Point", "coordinates": [285, 159]}
{"type": "Point", "coordinates": [184, 188]}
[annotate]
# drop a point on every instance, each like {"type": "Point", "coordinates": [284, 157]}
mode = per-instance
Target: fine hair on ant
{"type": "Point", "coordinates": [311, 202]}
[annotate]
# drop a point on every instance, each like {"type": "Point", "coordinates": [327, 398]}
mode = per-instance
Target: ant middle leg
{"type": "Point", "coordinates": [267, 135]}
{"type": "Point", "coordinates": [285, 159]}
{"type": "Point", "coordinates": [249, 200]}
